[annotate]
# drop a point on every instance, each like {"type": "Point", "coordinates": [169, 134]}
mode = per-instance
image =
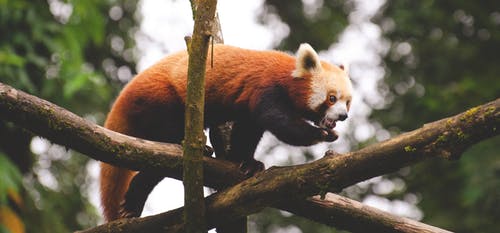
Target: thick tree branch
{"type": "Point", "coordinates": [65, 128]}
{"type": "Point", "coordinates": [331, 173]}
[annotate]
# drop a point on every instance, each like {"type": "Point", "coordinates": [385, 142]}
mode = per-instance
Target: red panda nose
{"type": "Point", "coordinates": [342, 117]}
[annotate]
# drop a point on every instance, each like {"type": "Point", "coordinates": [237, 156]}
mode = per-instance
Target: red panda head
{"type": "Point", "coordinates": [330, 90]}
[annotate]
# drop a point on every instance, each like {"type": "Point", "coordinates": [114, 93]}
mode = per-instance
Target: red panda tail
{"type": "Point", "coordinates": [114, 185]}
{"type": "Point", "coordinates": [114, 181]}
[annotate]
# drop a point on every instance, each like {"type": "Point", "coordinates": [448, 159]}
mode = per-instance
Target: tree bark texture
{"type": "Point", "coordinates": [195, 140]}
{"type": "Point", "coordinates": [344, 213]}
{"type": "Point", "coordinates": [446, 138]}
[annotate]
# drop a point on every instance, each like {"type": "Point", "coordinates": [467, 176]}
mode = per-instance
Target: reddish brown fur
{"type": "Point", "coordinates": [235, 81]}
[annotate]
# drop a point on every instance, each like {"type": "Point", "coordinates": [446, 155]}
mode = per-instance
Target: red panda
{"type": "Point", "coordinates": [298, 99]}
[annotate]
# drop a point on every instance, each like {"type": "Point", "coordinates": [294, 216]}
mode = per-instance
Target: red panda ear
{"type": "Point", "coordinates": [344, 67]}
{"type": "Point", "coordinates": [307, 61]}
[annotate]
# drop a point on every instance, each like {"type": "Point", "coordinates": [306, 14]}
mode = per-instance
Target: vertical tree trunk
{"type": "Point", "coordinates": [194, 141]}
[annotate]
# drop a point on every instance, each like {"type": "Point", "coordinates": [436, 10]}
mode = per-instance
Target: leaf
{"type": "Point", "coordinates": [75, 84]}
{"type": "Point", "coordinates": [9, 58]}
{"type": "Point", "coordinates": [10, 178]}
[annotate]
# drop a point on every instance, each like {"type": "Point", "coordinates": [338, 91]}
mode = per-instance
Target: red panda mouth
{"type": "Point", "coordinates": [327, 123]}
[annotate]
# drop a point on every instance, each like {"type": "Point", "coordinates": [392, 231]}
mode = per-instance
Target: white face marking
{"type": "Point", "coordinates": [318, 95]}
{"type": "Point", "coordinates": [333, 114]}
{"type": "Point", "coordinates": [338, 93]}
{"type": "Point", "coordinates": [331, 83]}
{"type": "Point", "coordinates": [334, 111]}
{"type": "Point", "coordinates": [326, 80]}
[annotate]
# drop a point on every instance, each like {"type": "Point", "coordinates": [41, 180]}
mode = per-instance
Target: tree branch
{"type": "Point", "coordinates": [448, 137]}
{"type": "Point", "coordinates": [344, 213]}
{"type": "Point", "coordinates": [195, 139]}
{"type": "Point", "coordinates": [65, 128]}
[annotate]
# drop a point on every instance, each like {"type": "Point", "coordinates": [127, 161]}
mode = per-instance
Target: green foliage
{"type": "Point", "coordinates": [269, 220]}
{"type": "Point", "coordinates": [441, 59]}
{"type": "Point", "coordinates": [60, 52]}
{"type": "Point", "coordinates": [10, 178]}
{"type": "Point", "coordinates": [319, 23]}
{"type": "Point", "coordinates": [466, 189]}
{"type": "Point", "coordinates": [65, 199]}
{"type": "Point", "coordinates": [4, 230]}
{"type": "Point", "coordinates": [67, 52]}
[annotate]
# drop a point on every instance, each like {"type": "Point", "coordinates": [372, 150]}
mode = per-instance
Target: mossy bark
{"type": "Point", "coordinates": [344, 213]}
{"type": "Point", "coordinates": [195, 140]}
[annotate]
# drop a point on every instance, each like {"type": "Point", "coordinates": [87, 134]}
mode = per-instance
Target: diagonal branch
{"type": "Point", "coordinates": [448, 137]}
{"type": "Point", "coordinates": [65, 128]}
{"type": "Point", "coordinates": [344, 213]}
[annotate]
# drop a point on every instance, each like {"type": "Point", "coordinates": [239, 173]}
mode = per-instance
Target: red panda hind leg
{"type": "Point", "coordinates": [245, 137]}
{"type": "Point", "coordinates": [138, 191]}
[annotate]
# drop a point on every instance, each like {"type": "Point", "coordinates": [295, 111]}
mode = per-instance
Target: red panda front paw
{"type": "Point", "coordinates": [251, 167]}
{"type": "Point", "coordinates": [329, 135]}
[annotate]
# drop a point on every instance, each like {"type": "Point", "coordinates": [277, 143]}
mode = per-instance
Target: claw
{"type": "Point", "coordinates": [329, 135]}
{"type": "Point", "coordinates": [125, 212]}
{"type": "Point", "coordinates": [208, 151]}
{"type": "Point", "coordinates": [251, 167]}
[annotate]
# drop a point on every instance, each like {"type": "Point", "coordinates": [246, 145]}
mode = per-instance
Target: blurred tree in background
{"type": "Point", "coordinates": [74, 54]}
{"type": "Point", "coordinates": [318, 23]}
{"type": "Point", "coordinates": [443, 59]}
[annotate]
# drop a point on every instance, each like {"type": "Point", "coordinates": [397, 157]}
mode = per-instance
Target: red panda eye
{"type": "Point", "coordinates": [332, 99]}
